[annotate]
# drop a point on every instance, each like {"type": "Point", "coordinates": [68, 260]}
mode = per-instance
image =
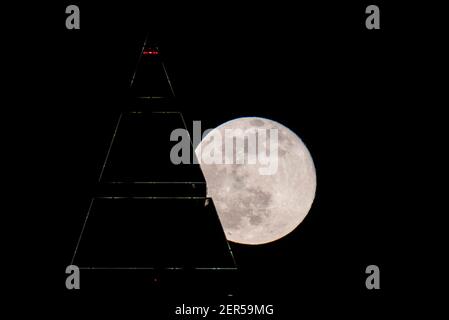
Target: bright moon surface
{"type": "Point", "coordinates": [255, 208]}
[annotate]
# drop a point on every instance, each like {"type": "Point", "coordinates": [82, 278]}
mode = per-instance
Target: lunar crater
{"type": "Point", "coordinates": [257, 122]}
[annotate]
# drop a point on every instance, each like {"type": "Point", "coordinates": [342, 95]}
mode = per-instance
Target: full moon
{"type": "Point", "coordinates": [256, 208]}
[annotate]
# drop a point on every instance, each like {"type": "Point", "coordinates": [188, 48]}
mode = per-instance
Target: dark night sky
{"type": "Point", "coordinates": [313, 67]}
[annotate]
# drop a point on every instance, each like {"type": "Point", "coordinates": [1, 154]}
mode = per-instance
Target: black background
{"type": "Point", "coordinates": [345, 90]}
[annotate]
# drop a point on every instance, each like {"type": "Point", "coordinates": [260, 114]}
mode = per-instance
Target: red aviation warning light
{"type": "Point", "coordinates": [150, 52]}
